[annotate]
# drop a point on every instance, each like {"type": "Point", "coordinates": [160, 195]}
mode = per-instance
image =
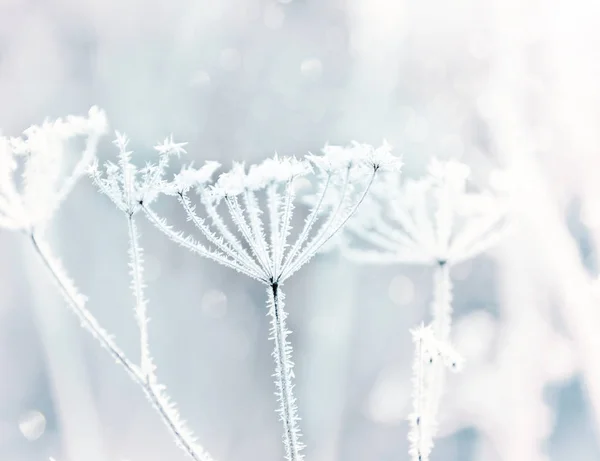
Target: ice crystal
{"type": "Point", "coordinates": [31, 194]}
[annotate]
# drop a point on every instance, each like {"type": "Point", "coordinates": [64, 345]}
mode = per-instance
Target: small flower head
{"type": "Point", "coordinates": [427, 220]}
{"type": "Point", "coordinates": [29, 202]}
{"type": "Point", "coordinates": [129, 187]}
{"type": "Point", "coordinates": [379, 158]}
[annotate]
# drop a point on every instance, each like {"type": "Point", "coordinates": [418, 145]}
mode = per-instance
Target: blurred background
{"type": "Point", "coordinates": [494, 83]}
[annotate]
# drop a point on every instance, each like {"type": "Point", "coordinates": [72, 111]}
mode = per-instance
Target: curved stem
{"type": "Point", "coordinates": [194, 246]}
{"type": "Point", "coordinates": [76, 302]}
{"type": "Point", "coordinates": [282, 353]}
{"type": "Point", "coordinates": [326, 234]}
{"type": "Point", "coordinates": [308, 224]}
{"type": "Point", "coordinates": [221, 244]}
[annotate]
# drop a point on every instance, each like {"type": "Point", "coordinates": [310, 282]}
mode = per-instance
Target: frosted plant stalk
{"type": "Point", "coordinates": [29, 200]}
{"type": "Point", "coordinates": [241, 204]}
{"type": "Point", "coordinates": [429, 352]}
{"type": "Point", "coordinates": [128, 188]}
{"type": "Point", "coordinates": [431, 221]}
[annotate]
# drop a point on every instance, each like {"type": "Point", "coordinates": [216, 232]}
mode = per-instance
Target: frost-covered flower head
{"type": "Point", "coordinates": [434, 219]}
{"type": "Point", "coordinates": [29, 199]}
{"type": "Point", "coordinates": [126, 185]}
{"type": "Point", "coordinates": [257, 204]}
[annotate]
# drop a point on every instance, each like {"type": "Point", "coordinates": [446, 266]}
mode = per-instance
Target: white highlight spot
{"type": "Point", "coordinates": [214, 304]}
{"type": "Point", "coordinates": [311, 68]}
{"type": "Point", "coordinates": [32, 425]}
{"type": "Point", "coordinates": [200, 79]}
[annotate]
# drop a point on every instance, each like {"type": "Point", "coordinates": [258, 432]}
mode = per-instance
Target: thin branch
{"type": "Point", "coordinates": [285, 228]}
{"type": "Point", "coordinates": [256, 225]}
{"type": "Point", "coordinates": [325, 236]}
{"type": "Point", "coordinates": [273, 203]}
{"type": "Point", "coordinates": [282, 353]}
{"type": "Point", "coordinates": [194, 246]}
{"type": "Point", "coordinates": [211, 237]}
{"type": "Point", "coordinates": [76, 302]}
{"type": "Point", "coordinates": [238, 218]}
{"type": "Point", "coordinates": [80, 168]}
{"type": "Point", "coordinates": [137, 286]}
{"type": "Point", "coordinates": [310, 220]}
{"type": "Point", "coordinates": [227, 234]}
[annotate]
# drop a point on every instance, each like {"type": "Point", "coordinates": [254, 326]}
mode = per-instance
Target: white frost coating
{"type": "Point", "coordinates": [284, 366]}
{"type": "Point", "coordinates": [252, 201]}
{"type": "Point", "coordinates": [29, 201]}
{"type": "Point", "coordinates": [130, 190]}
{"type": "Point", "coordinates": [153, 391]}
{"type": "Point", "coordinates": [431, 354]}
{"type": "Point", "coordinates": [429, 220]}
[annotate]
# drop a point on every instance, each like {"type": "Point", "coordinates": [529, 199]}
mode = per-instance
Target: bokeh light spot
{"type": "Point", "coordinates": [32, 424]}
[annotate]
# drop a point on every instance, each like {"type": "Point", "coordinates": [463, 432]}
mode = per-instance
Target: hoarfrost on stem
{"type": "Point", "coordinates": [129, 188]}
{"type": "Point", "coordinates": [429, 351]}
{"type": "Point", "coordinates": [436, 221]}
{"type": "Point", "coordinates": [247, 226]}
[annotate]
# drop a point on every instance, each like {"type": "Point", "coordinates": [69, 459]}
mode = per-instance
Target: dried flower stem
{"type": "Point", "coordinates": [153, 391]}
{"type": "Point", "coordinates": [282, 353]}
{"type": "Point", "coordinates": [141, 314]}
{"type": "Point", "coordinates": [442, 301]}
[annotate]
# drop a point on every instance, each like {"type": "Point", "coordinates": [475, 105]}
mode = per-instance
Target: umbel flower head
{"type": "Point", "coordinates": [246, 225]}
{"type": "Point", "coordinates": [29, 198]}
{"type": "Point", "coordinates": [435, 219]}
{"type": "Point", "coordinates": [247, 219]}
{"type": "Point", "coordinates": [127, 185]}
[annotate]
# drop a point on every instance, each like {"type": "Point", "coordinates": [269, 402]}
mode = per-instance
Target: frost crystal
{"type": "Point", "coordinates": [29, 200]}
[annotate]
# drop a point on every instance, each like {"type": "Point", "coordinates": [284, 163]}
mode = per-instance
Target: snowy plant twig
{"type": "Point", "coordinates": [432, 221]}
{"type": "Point", "coordinates": [28, 203]}
{"type": "Point", "coordinates": [128, 192]}
{"type": "Point", "coordinates": [76, 302]}
{"type": "Point", "coordinates": [154, 392]}
{"type": "Point", "coordinates": [271, 260]}
{"type": "Point", "coordinates": [282, 353]}
{"type": "Point", "coordinates": [430, 355]}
